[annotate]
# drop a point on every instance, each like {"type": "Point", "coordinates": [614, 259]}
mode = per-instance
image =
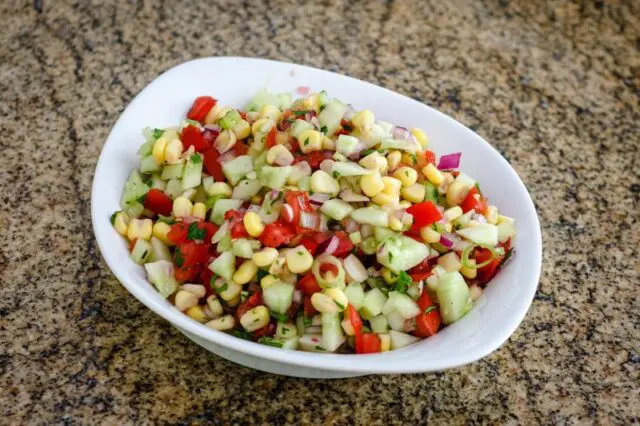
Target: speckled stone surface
{"type": "Point", "coordinates": [554, 86]}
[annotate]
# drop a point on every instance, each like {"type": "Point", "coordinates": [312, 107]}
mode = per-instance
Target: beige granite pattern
{"type": "Point", "coordinates": [554, 85]}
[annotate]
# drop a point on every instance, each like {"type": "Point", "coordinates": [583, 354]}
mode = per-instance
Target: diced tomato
{"type": "Point", "coordinates": [187, 257]}
{"type": "Point", "coordinates": [192, 136]}
{"type": "Point", "coordinates": [367, 343]}
{"type": "Point", "coordinates": [201, 107]}
{"type": "Point", "coordinates": [276, 234]}
{"type": "Point", "coordinates": [424, 214]}
{"type": "Point", "coordinates": [209, 230]}
{"type": "Point", "coordinates": [419, 276]}
{"type": "Point", "coordinates": [427, 323]}
{"type": "Point", "coordinates": [295, 146]}
{"type": "Point", "coordinates": [205, 276]}
{"type": "Point", "coordinates": [488, 271]}
{"type": "Point", "coordinates": [328, 268]}
{"type": "Point", "coordinates": [345, 246]}
{"type": "Point", "coordinates": [314, 159]}
{"type": "Point", "coordinates": [240, 149]}
{"type": "Point", "coordinates": [309, 310]}
{"type": "Point", "coordinates": [158, 202]}
{"type": "Point", "coordinates": [212, 166]}
{"type": "Point", "coordinates": [252, 301]}
{"type": "Point", "coordinates": [354, 319]}
{"type": "Point", "coordinates": [285, 120]}
{"type": "Point", "coordinates": [178, 233]}
{"type": "Point", "coordinates": [423, 269]}
{"type": "Point", "coordinates": [270, 139]}
{"type": "Point", "coordinates": [235, 222]}
{"type": "Point", "coordinates": [430, 156]}
{"type": "Point", "coordinates": [210, 135]}
{"type": "Point", "coordinates": [308, 284]}
{"type": "Point", "coordinates": [310, 244]}
{"type": "Point", "coordinates": [474, 201]}
{"type": "Point", "coordinates": [267, 330]}
{"type": "Point", "coordinates": [299, 202]}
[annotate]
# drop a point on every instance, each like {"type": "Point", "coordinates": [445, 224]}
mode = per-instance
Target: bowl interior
{"type": "Point", "coordinates": [233, 81]}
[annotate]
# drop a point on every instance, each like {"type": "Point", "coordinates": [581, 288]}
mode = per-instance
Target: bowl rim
{"type": "Point", "coordinates": [370, 363]}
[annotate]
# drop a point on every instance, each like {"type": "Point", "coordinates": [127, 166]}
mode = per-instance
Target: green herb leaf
{"type": "Point", "coordinates": [390, 257]}
{"type": "Point", "coordinates": [270, 341]}
{"type": "Point", "coordinates": [241, 334]}
{"type": "Point", "coordinates": [429, 309]}
{"type": "Point", "coordinates": [335, 174]}
{"type": "Point", "coordinates": [261, 274]}
{"type": "Point", "coordinates": [195, 158]}
{"type": "Point", "coordinates": [340, 305]}
{"type": "Point", "coordinates": [223, 288]}
{"type": "Point", "coordinates": [178, 259]}
{"type": "Point", "coordinates": [244, 295]}
{"type": "Point", "coordinates": [324, 130]}
{"type": "Point", "coordinates": [348, 128]}
{"type": "Point", "coordinates": [112, 219]}
{"type": "Point", "coordinates": [414, 158]}
{"type": "Point", "coordinates": [157, 133]}
{"type": "Point", "coordinates": [403, 282]}
{"type": "Point", "coordinates": [320, 348]}
{"type": "Point", "coordinates": [141, 199]}
{"type": "Point", "coordinates": [306, 321]}
{"type": "Point", "coordinates": [299, 113]}
{"type": "Point", "coordinates": [195, 233]}
{"type": "Point", "coordinates": [306, 142]}
{"type": "Point", "coordinates": [279, 317]}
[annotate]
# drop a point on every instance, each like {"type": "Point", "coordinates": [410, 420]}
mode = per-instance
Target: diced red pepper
{"type": "Point", "coordinates": [430, 157]}
{"type": "Point", "coordinates": [252, 301]}
{"type": "Point", "coordinates": [235, 222]}
{"type": "Point", "coordinates": [310, 244]}
{"type": "Point", "coordinates": [308, 284]}
{"type": "Point", "coordinates": [201, 107]}
{"type": "Point", "coordinates": [345, 246]}
{"type": "Point", "coordinates": [270, 139]}
{"type": "Point", "coordinates": [309, 310]}
{"type": "Point", "coordinates": [212, 166]}
{"type": "Point", "coordinates": [424, 214]}
{"type": "Point", "coordinates": [474, 201]}
{"type": "Point", "coordinates": [487, 272]}
{"type": "Point", "coordinates": [240, 149]}
{"type": "Point", "coordinates": [158, 202]}
{"type": "Point", "coordinates": [427, 323]}
{"type": "Point", "coordinates": [314, 159]}
{"type": "Point", "coordinates": [367, 343]}
{"type": "Point", "coordinates": [192, 136]}
{"type": "Point", "coordinates": [354, 319]}
{"type": "Point", "coordinates": [267, 330]}
{"type": "Point", "coordinates": [276, 234]}
{"type": "Point", "coordinates": [178, 233]}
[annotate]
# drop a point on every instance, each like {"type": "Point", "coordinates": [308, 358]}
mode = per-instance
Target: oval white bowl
{"type": "Point", "coordinates": [232, 81]}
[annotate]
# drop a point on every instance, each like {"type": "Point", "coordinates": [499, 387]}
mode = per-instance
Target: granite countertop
{"type": "Point", "coordinates": [555, 87]}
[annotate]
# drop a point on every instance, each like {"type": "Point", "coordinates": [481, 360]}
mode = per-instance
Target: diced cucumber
{"type": "Point", "coordinates": [336, 209]}
{"type": "Point", "coordinates": [148, 165]}
{"type": "Point", "coordinates": [230, 119]}
{"type": "Point", "coordinates": [173, 188]}
{"type": "Point", "coordinates": [371, 215]}
{"type": "Point", "coordinates": [332, 333]}
{"type": "Point", "coordinates": [134, 209]}
{"type": "Point", "coordinates": [237, 168]}
{"type": "Point", "coordinates": [405, 305]}
{"type": "Point", "coordinates": [146, 148]}
{"type": "Point", "coordinates": [278, 297]}
{"type": "Point", "coordinates": [141, 251]}
{"type": "Point", "coordinates": [506, 230]}
{"type": "Point", "coordinates": [290, 344]}
{"type": "Point", "coordinates": [274, 177]}
{"type": "Point", "coordinates": [381, 233]}
{"type": "Point", "coordinates": [465, 180]}
{"type": "Point", "coordinates": [431, 193]}
{"type": "Point", "coordinates": [264, 97]}
{"type": "Point", "coordinates": [400, 340]}
{"type": "Point", "coordinates": [346, 144]}
{"type": "Point", "coordinates": [134, 188]}
{"type": "Point", "coordinates": [172, 171]}
{"type": "Point", "coordinates": [270, 209]}
{"type": "Point", "coordinates": [242, 248]}
{"type": "Point", "coordinates": [284, 100]}
{"type": "Point", "coordinates": [395, 320]}
{"type": "Point", "coordinates": [159, 251]}
{"type": "Point", "coordinates": [323, 98]}
{"type": "Point", "coordinates": [399, 144]}
{"type": "Point", "coordinates": [160, 274]}
{"type": "Point", "coordinates": [299, 126]}
{"type": "Point", "coordinates": [157, 182]}
{"type": "Point", "coordinates": [348, 168]}
{"type": "Point", "coordinates": [331, 116]}
{"type": "Point", "coordinates": [192, 175]}
{"type": "Point", "coordinates": [286, 331]}
{"type": "Point", "coordinates": [246, 188]}
{"type": "Point", "coordinates": [207, 181]}
{"type": "Point", "coordinates": [401, 253]}
{"type": "Point", "coordinates": [379, 324]}
{"type": "Point", "coordinates": [355, 294]}
{"type": "Point", "coordinates": [225, 243]}
{"type": "Point", "coordinates": [224, 265]}
{"type": "Point", "coordinates": [483, 233]}
{"type": "Point", "coordinates": [390, 305]}
{"type": "Point", "coordinates": [386, 127]}
{"type": "Point", "coordinates": [260, 161]}
{"type": "Point", "coordinates": [311, 343]}
{"type": "Point", "coordinates": [221, 207]}
{"type": "Point", "coordinates": [374, 301]}
{"type": "Point", "coordinates": [305, 183]}
{"type": "Point", "coordinates": [454, 297]}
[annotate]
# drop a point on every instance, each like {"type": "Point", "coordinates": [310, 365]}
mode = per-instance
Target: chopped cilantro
{"type": "Point", "coordinates": [390, 257]}
{"type": "Point", "coordinates": [270, 341]}
{"type": "Point", "coordinates": [320, 348]}
{"type": "Point", "coordinates": [403, 282]}
{"type": "Point", "coordinates": [178, 258]}
{"type": "Point", "coordinates": [406, 173]}
{"type": "Point", "coordinates": [306, 142]}
{"type": "Point", "coordinates": [261, 274]}
{"type": "Point", "coordinates": [141, 198]}
{"type": "Point", "coordinates": [241, 334]}
{"type": "Point", "coordinates": [157, 133]}
{"type": "Point", "coordinates": [224, 287]}
{"type": "Point", "coordinates": [429, 309]}
{"type": "Point", "coordinates": [300, 253]}
{"type": "Point", "coordinates": [299, 113]}
{"type": "Point", "coordinates": [367, 152]}
{"type": "Point", "coordinates": [144, 255]}
{"type": "Point", "coordinates": [477, 185]}
{"type": "Point", "coordinates": [244, 295]}
{"type": "Point", "coordinates": [347, 127]}
{"type": "Point", "coordinates": [340, 305]}
{"type": "Point", "coordinates": [306, 321]}
{"type": "Point", "coordinates": [414, 159]}
{"type": "Point", "coordinates": [322, 107]}
{"type": "Point", "coordinates": [335, 174]}
{"type": "Point", "coordinates": [195, 159]}
{"type": "Point", "coordinates": [285, 330]}
{"type": "Point", "coordinates": [112, 219]}
{"type": "Point", "coordinates": [324, 129]}
{"type": "Point", "coordinates": [195, 233]}
{"type": "Point", "coordinates": [279, 317]}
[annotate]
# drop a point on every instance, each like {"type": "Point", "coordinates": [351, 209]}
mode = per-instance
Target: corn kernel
{"type": "Point", "coordinates": [214, 305]}
{"type": "Point", "coordinates": [279, 155]}
{"type": "Point", "coordinates": [268, 281]}
{"type": "Point", "coordinates": [224, 323]}
{"type": "Point", "coordinates": [395, 224]}
{"type": "Point", "coordinates": [338, 297]}
{"type": "Point", "coordinates": [299, 260]}
{"type": "Point", "coordinates": [242, 129]}
{"type": "Point", "coordinates": [323, 303]}
{"type": "Point", "coordinates": [211, 116]}
{"type": "Point", "coordinates": [347, 327]}
{"type": "Point", "coordinates": [322, 182]}
{"type": "Point", "coordinates": [371, 184]}
{"type": "Point", "coordinates": [429, 235]}
{"type": "Point", "coordinates": [453, 213]}
{"type": "Point", "coordinates": [245, 272]}
{"type": "Point", "coordinates": [393, 159]}
{"type": "Point", "coordinates": [121, 223]}
{"type": "Point", "coordinates": [456, 193]}
{"type": "Point", "coordinates": [264, 257]}
{"type": "Point", "coordinates": [185, 299]}
{"type": "Point", "coordinates": [160, 231]}
{"type": "Point", "coordinates": [220, 188]}
{"type": "Point", "coordinates": [384, 199]}
{"type": "Point", "coordinates": [196, 289]}
{"type": "Point", "coordinates": [414, 193]}
{"type": "Point", "coordinates": [182, 207]}
{"type": "Point", "coordinates": [391, 185]}
{"type": "Point", "coordinates": [140, 229]}
{"type": "Point", "coordinates": [385, 342]}
{"type": "Point", "coordinates": [227, 290]}
{"type": "Point", "coordinates": [174, 151]}
{"type": "Point", "coordinates": [491, 214]}
{"type": "Point", "coordinates": [469, 272]}
{"type": "Point", "coordinates": [433, 174]}
{"type": "Point", "coordinates": [420, 137]}
{"type": "Point", "coordinates": [404, 204]}
{"type": "Point", "coordinates": [253, 224]}
{"type": "Point", "coordinates": [409, 158]}
{"type": "Point", "coordinates": [225, 141]}
{"type": "Point", "coordinates": [199, 211]}
{"type": "Point", "coordinates": [450, 262]}
{"type": "Point", "coordinates": [363, 119]}
{"type": "Point", "coordinates": [197, 313]}
{"type": "Point", "coordinates": [310, 140]}
{"type": "Point", "coordinates": [159, 148]}
{"type": "Point", "coordinates": [328, 144]}
{"type": "Point", "coordinates": [374, 161]}
{"type": "Point", "coordinates": [406, 175]}
{"type": "Point", "coordinates": [222, 111]}
{"type": "Point", "coordinates": [270, 112]}
{"type": "Point", "coordinates": [388, 275]}
{"type": "Point", "coordinates": [255, 318]}
{"type": "Point", "coordinates": [262, 126]}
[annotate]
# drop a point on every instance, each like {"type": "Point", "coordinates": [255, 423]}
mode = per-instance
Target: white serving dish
{"type": "Point", "coordinates": [232, 81]}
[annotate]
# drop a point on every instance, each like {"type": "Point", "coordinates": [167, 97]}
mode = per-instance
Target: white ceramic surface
{"type": "Point", "coordinates": [233, 81]}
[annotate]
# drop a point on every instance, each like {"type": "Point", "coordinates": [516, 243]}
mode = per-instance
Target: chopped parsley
{"type": "Point", "coordinates": [270, 341]}
{"type": "Point", "coordinates": [429, 309]}
{"type": "Point", "coordinates": [178, 258]}
{"type": "Point", "coordinates": [157, 133]}
{"type": "Point", "coordinates": [112, 219]}
{"type": "Point", "coordinates": [324, 129]}
{"type": "Point", "coordinates": [403, 282]}
{"type": "Point", "coordinates": [241, 334]}
{"type": "Point", "coordinates": [195, 159]}
{"type": "Point", "coordinates": [279, 317]}
{"type": "Point", "coordinates": [195, 233]}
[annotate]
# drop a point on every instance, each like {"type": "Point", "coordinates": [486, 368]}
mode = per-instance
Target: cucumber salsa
{"type": "Point", "coordinates": [308, 225]}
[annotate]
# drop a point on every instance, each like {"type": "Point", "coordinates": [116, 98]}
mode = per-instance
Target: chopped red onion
{"type": "Point", "coordinates": [449, 161]}
{"type": "Point", "coordinates": [351, 225]}
{"type": "Point", "coordinates": [327, 166]}
{"type": "Point", "coordinates": [210, 135]}
{"type": "Point", "coordinates": [331, 245]}
{"type": "Point", "coordinates": [227, 156]}
{"type": "Point", "coordinates": [446, 242]}
{"type": "Point", "coordinates": [287, 213]}
{"type": "Point", "coordinates": [309, 220]}
{"type": "Point", "coordinates": [213, 127]}
{"type": "Point", "coordinates": [253, 208]}
{"type": "Point", "coordinates": [402, 134]}
{"type": "Point", "coordinates": [318, 198]}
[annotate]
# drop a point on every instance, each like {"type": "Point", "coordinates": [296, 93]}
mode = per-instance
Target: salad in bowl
{"type": "Point", "coordinates": [309, 225]}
